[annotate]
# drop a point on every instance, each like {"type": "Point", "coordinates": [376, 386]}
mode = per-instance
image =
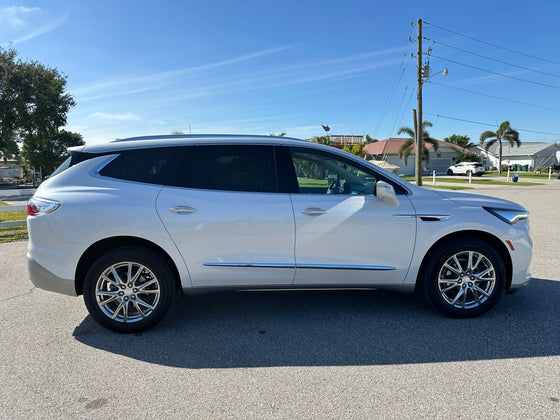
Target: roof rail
{"type": "Point", "coordinates": [198, 136]}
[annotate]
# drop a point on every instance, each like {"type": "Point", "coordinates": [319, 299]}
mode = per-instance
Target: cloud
{"type": "Point", "coordinates": [117, 117]}
{"type": "Point", "coordinates": [15, 17]}
{"type": "Point", "coordinates": [19, 24]}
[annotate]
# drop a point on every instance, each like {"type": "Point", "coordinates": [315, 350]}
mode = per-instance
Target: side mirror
{"type": "Point", "coordinates": [387, 193]}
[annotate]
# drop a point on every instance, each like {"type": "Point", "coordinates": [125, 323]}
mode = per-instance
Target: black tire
{"type": "Point", "coordinates": [469, 292]}
{"type": "Point", "coordinates": [469, 172]}
{"type": "Point", "coordinates": [449, 172]}
{"type": "Point", "coordinates": [478, 174]}
{"type": "Point", "coordinates": [136, 304]}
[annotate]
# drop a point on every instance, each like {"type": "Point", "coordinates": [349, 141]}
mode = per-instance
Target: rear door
{"type": "Point", "coordinates": [227, 218]}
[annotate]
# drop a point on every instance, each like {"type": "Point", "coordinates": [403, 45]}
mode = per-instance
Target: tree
{"type": "Point", "coordinates": [48, 152]}
{"type": "Point", "coordinates": [462, 141]}
{"type": "Point", "coordinates": [504, 132]}
{"type": "Point", "coordinates": [33, 101]}
{"type": "Point", "coordinates": [467, 157]}
{"type": "Point", "coordinates": [282, 134]}
{"type": "Point", "coordinates": [323, 140]}
{"type": "Point", "coordinates": [356, 149]}
{"type": "Point", "coordinates": [406, 148]}
{"type": "Point", "coordinates": [370, 139]}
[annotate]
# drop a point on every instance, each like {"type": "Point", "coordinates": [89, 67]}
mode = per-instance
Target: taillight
{"type": "Point", "coordinates": [39, 206]}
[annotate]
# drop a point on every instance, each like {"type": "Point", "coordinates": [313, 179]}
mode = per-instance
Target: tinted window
{"type": "Point", "coordinates": [151, 166]}
{"type": "Point", "coordinates": [229, 168]}
{"type": "Point", "coordinates": [320, 173]}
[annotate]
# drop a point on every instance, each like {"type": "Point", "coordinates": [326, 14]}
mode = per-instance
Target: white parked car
{"type": "Point", "coordinates": [466, 168]}
{"type": "Point", "coordinates": [130, 223]}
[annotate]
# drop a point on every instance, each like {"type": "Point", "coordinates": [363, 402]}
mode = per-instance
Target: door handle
{"type": "Point", "coordinates": [313, 211]}
{"type": "Point", "coordinates": [182, 209]}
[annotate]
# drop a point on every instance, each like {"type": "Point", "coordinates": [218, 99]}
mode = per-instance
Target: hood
{"type": "Point", "coordinates": [469, 199]}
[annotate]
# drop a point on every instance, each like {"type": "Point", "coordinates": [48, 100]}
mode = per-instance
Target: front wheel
{"type": "Point", "coordinates": [129, 289]}
{"type": "Point", "coordinates": [464, 278]}
{"type": "Point", "coordinates": [449, 172]}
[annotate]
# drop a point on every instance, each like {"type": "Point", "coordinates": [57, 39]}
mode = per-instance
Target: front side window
{"type": "Point", "coordinates": [322, 173]}
{"type": "Point", "coordinates": [228, 168]}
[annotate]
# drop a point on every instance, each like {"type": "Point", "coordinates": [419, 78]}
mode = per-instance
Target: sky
{"type": "Point", "coordinates": [257, 67]}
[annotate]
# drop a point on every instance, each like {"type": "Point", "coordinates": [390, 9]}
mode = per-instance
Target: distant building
{"type": "Point", "coordinates": [532, 156]}
{"type": "Point", "coordinates": [11, 169]}
{"type": "Point", "coordinates": [388, 150]}
{"type": "Point", "coordinates": [341, 140]}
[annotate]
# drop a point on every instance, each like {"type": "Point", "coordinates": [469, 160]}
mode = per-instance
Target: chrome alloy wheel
{"type": "Point", "coordinates": [466, 280]}
{"type": "Point", "coordinates": [127, 292]}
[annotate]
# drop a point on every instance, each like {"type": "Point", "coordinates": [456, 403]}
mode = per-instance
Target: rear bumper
{"type": "Point", "coordinates": [44, 279]}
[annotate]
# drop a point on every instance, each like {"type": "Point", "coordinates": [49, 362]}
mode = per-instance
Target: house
{"type": "Point", "coordinates": [532, 156]}
{"type": "Point", "coordinates": [11, 169]}
{"type": "Point", "coordinates": [388, 150]}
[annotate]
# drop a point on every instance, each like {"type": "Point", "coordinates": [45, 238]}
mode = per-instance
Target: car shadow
{"type": "Point", "coordinates": [335, 328]}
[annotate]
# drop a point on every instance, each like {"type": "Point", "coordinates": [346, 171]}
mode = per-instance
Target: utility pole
{"type": "Point", "coordinates": [419, 139]}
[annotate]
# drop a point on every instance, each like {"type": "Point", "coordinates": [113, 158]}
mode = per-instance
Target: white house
{"type": "Point", "coordinates": [388, 150]}
{"type": "Point", "coordinates": [530, 156]}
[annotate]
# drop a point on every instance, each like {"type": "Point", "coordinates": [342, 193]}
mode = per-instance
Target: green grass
{"type": "Point", "coordinates": [521, 174]}
{"type": "Point", "coordinates": [13, 234]}
{"type": "Point", "coordinates": [448, 187]}
{"type": "Point", "coordinates": [11, 216]}
{"type": "Point", "coordinates": [3, 204]}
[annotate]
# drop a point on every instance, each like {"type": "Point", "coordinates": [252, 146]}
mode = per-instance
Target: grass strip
{"type": "Point", "coordinates": [13, 234]}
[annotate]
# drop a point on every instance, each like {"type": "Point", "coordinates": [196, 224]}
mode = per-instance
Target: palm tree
{"type": "Point", "coordinates": [356, 149]}
{"type": "Point", "coordinates": [505, 132]}
{"type": "Point", "coordinates": [406, 148]}
{"type": "Point", "coordinates": [282, 134]}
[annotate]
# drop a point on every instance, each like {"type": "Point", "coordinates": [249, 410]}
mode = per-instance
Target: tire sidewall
{"type": "Point", "coordinates": [440, 255]}
{"type": "Point", "coordinates": [138, 255]}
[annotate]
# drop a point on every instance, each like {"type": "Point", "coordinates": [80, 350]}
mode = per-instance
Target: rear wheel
{"type": "Point", "coordinates": [469, 172]}
{"type": "Point", "coordinates": [464, 278]}
{"type": "Point", "coordinates": [129, 289]}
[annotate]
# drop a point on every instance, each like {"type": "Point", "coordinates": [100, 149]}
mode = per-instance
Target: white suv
{"type": "Point", "coordinates": [129, 223]}
{"type": "Point", "coordinates": [466, 168]}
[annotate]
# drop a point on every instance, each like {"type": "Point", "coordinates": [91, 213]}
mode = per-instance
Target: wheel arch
{"type": "Point", "coordinates": [492, 240]}
{"type": "Point", "coordinates": [101, 247]}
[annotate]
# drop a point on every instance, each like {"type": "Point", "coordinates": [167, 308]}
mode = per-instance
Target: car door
{"type": "Point", "coordinates": [344, 233]}
{"type": "Point", "coordinates": [223, 210]}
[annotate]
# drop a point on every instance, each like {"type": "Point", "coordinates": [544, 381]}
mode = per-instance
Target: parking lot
{"type": "Point", "coordinates": [296, 354]}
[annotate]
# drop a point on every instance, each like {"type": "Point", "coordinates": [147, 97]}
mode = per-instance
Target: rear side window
{"type": "Point", "coordinates": [229, 168]}
{"type": "Point", "coordinates": [151, 166]}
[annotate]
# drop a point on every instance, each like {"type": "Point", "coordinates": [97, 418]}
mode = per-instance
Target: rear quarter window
{"type": "Point", "coordinates": [151, 166]}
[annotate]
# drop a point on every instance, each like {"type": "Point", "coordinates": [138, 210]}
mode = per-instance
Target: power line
{"type": "Point", "coordinates": [498, 74]}
{"type": "Point", "coordinates": [493, 96]}
{"type": "Point", "coordinates": [493, 59]}
{"type": "Point", "coordinates": [491, 125]}
{"type": "Point", "coordinates": [389, 99]}
{"type": "Point", "coordinates": [493, 45]}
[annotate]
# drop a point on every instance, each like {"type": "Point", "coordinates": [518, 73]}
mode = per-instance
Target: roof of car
{"type": "Point", "coordinates": [181, 139]}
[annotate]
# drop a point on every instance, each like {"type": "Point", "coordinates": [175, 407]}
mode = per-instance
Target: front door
{"type": "Point", "coordinates": [344, 233]}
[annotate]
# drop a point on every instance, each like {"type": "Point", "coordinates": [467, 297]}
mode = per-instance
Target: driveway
{"type": "Point", "coordinates": [297, 354]}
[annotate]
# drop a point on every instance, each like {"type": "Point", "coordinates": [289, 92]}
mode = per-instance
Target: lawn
{"type": "Point", "coordinates": [11, 216]}
{"type": "Point", "coordinates": [13, 234]}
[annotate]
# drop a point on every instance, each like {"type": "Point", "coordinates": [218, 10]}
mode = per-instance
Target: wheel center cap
{"type": "Point", "coordinates": [466, 279]}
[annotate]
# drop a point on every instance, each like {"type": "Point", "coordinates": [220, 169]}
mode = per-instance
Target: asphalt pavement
{"type": "Point", "coordinates": [296, 354]}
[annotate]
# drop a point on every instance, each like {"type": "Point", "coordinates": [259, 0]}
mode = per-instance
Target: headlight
{"type": "Point", "coordinates": [39, 206]}
{"type": "Point", "coordinates": [507, 215]}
